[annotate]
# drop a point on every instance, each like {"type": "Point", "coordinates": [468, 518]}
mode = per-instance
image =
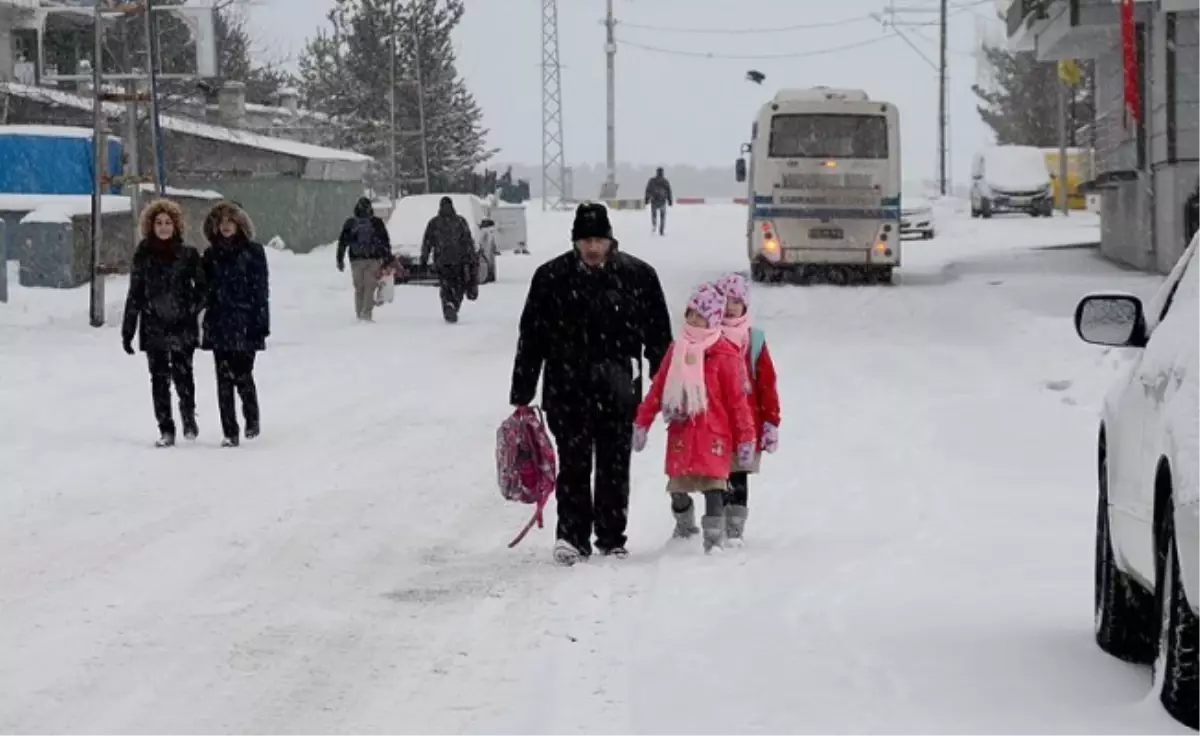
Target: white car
{"type": "Point", "coordinates": [406, 228]}
{"type": "Point", "coordinates": [1011, 179]}
{"type": "Point", "coordinates": [916, 216]}
{"type": "Point", "coordinates": [1147, 575]}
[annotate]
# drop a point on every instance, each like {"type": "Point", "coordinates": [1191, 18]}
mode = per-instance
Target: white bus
{"type": "Point", "coordinates": [824, 186]}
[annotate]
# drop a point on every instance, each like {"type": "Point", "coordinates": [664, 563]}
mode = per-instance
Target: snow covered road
{"type": "Point", "coordinates": [918, 556]}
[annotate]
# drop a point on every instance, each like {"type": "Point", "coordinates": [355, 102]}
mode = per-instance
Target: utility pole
{"type": "Point", "coordinates": [555, 184]}
{"type": "Point", "coordinates": [99, 144]}
{"type": "Point", "coordinates": [416, 38]}
{"type": "Point", "coordinates": [609, 189]}
{"type": "Point", "coordinates": [392, 105]}
{"type": "Point", "coordinates": [1062, 146]}
{"type": "Point", "coordinates": [156, 147]}
{"type": "Point", "coordinates": [942, 98]}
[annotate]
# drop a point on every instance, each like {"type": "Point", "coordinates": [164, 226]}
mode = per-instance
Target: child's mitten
{"type": "Point", "coordinates": [770, 439]}
{"type": "Point", "coordinates": [745, 453]}
{"type": "Point", "coordinates": [639, 439]}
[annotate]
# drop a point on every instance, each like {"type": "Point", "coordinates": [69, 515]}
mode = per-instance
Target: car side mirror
{"type": "Point", "coordinates": [487, 223]}
{"type": "Point", "coordinates": [739, 169]}
{"type": "Point", "coordinates": [1114, 320]}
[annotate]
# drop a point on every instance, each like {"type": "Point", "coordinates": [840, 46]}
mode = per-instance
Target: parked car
{"type": "Point", "coordinates": [406, 227]}
{"type": "Point", "coordinates": [1147, 575]}
{"type": "Point", "coordinates": [1011, 179]}
{"type": "Point", "coordinates": [916, 216]}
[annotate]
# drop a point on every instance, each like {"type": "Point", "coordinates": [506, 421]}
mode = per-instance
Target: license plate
{"type": "Point", "coordinates": [826, 233]}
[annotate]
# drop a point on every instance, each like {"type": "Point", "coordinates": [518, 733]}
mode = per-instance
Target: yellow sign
{"type": "Point", "coordinates": [1069, 71]}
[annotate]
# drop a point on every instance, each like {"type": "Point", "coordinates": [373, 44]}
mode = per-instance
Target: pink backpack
{"type": "Point", "coordinates": [526, 466]}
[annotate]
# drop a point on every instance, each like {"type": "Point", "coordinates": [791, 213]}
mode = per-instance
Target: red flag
{"type": "Point", "coordinates": [1129, 50]}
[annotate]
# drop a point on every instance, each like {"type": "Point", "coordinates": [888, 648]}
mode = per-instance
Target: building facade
{"type": "Point", "coordinates": [1146, 170]}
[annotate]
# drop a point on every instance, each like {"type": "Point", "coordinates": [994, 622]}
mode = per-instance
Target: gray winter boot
{"type": "Point", "coordinates": [735, 524]}
{"type": "Point", "coordinates": [714, 532]}
{"type": "Point", "coordinates": [685, 523]}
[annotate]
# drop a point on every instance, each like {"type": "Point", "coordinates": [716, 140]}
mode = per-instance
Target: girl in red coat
{"type": "Point", "coordinates": [764, 396]}
{"type": "Point", "coordinates": [700, 389]}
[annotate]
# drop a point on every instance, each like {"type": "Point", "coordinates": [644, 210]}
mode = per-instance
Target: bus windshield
{"type": "Point", "coordinates": [823, 135]}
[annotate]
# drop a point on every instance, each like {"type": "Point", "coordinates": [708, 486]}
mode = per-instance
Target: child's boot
{"type": "Point", "coordinates": [714, 532]}
{"type": "Point", "coordinates": [735, 524]}
{"type": "Point", "coordinates": [685, 523]}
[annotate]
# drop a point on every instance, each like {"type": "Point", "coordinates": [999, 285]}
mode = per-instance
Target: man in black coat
{"type": "Point", "coordinates": [590, 316]}
{"type": "Point", "coordinates": [365, 236]}
{"type": "Point", "coordinates": [448, 239]}
{"type": "Point", "coordinates": [658, 196]}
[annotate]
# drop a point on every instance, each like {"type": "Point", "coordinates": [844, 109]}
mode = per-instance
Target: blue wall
{"type": "Point", "coordinates": [51, 164]}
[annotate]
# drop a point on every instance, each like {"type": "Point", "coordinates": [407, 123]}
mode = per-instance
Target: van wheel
{"type": "Point", "coordinates": [985, 208]}
{"type": "Point", "coordinates": [1175, 666]}
{"type": "Point", "coordinates": [484, 274]}
{"type": "Point", "coordinates": [1122, 609]}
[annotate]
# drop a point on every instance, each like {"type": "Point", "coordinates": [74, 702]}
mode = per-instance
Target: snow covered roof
{"type": "Point", "coordinates": [59, 207]}
{"type": "Point", "coordinates": [50, 131]}
{"type": "Point", "coordinates": [191, 127]}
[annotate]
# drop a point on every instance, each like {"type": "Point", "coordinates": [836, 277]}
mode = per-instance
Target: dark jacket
{"type": "Point", "coordinates": [364, 235]}
{"type": "Point", "coordinates": [448, 239]}
{"type": "Point", "coordinates": [588, 328]}
{"type": "Point", "coordinates": [237, 315]}
{"type": "Point", "coordinates": [658, 191]}
{"type": "Point", "coordinates": [166, 291]}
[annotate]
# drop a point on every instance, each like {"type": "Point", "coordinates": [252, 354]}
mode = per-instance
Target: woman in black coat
{"type": "Point", "coordinates": [166, 291]}
{"type": "Point", "coordinates": [237, 316]}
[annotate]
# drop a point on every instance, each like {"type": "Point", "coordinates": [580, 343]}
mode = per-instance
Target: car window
{"type": "Point", "coordinates": [1182, 283]}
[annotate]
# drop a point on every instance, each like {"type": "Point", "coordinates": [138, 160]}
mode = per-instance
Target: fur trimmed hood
{"type": "Point", "coordinates": [234, 212]}
{"type": "Point", "coordinates": [151, 211]}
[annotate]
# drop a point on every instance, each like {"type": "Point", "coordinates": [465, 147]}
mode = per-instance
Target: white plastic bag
{"type": "Point", "coordinates": [385, 292]}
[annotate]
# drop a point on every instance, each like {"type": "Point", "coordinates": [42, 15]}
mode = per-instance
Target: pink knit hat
{"type": "Point", "coordinates": [708, 301]}
{"type": "Point", "coordinates": [734, 286]}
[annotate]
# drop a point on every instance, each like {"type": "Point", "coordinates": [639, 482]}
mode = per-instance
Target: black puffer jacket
{"type": "Point", "coordinates": [448, 238]}
{"type": "Point", "coordinates": [365, 236]}
{"type": "Point", "coordinates": [237, 314]}
{"type": "Point", "coordinates": [166, 291]}
{"type": "Point", "coordinates": [588, 328]}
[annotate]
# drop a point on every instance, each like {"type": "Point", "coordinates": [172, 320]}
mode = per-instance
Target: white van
{"type": "Point", "coordinates": [406, 227]}
{"type": "Point", "coordinates": [1011, 179]}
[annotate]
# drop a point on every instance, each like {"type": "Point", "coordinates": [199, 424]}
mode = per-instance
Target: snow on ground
{"type": "Point", "coordinates": [918, 559]}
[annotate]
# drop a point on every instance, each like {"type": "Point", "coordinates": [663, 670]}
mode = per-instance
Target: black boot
{"type": "Point", "coordinates": [190, 429]}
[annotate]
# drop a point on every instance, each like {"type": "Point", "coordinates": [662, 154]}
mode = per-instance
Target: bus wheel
{"type": "Point", "coordinates": [758, 272]}
{"type": "Point", "coordinates": [882, 275]}
{"type": "Point", "coordinates": [839, 275]}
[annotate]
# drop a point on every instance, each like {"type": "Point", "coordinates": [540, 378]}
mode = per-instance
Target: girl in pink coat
{"type": "Point", "coordinates": [700, 390]}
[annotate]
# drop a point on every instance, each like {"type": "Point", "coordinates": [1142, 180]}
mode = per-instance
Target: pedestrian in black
{"type": "Point", "coordinates": [448, 240]}
{"type": "Point", "coordinates": [590, 316]}
{"type": "Point", "coordinates": [237, 316]}
{"type": "Point", "coordinates": [659, 197]}
{"type": "Point", "coordinates": [365, 236]}
{"type": "Point", "coordinates": [166, 289]}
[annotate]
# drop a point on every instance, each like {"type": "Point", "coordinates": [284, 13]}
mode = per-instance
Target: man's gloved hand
{"type": "Point", "coordinates": [770, 439]}
{"type": "Point", "coordinates": [639, 438]}
{"type": "Point", "coordinates": [341, 265]}
{"type": "Point", "coordinates": [128, 345]}
{"type": "Point", "coordinates": [745, 454]}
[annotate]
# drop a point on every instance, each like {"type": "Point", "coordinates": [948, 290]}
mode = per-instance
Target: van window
{"type": "Point", "coordinates": [829, 136]}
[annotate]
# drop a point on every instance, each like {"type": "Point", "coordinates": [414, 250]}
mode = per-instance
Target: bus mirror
{"type": "Point", "coordinates": [739, 169]}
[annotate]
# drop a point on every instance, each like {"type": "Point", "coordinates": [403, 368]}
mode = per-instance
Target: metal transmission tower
{"type": "Point", "coordinates": [554, 164]}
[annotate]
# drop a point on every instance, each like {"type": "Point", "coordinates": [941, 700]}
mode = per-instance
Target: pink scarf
{"type": "Point", "coordinates": [686, 392]}
{"type": "Point", "coordinates": [737, 329]}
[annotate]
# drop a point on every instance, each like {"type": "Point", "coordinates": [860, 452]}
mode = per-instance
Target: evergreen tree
{"type": "Point", "coordinates": [1022, 109]}
{"type": "Point", "coordinates": [345, 71]}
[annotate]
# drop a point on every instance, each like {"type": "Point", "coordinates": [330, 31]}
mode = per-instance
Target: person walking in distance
{"type": "Point", "coordinates": [591, 315]}
{"type": "Point", "coordinates": [365, 236]}
{"type": "Point", "coordinates": [448, 240]}
{"type": "Point", "coordinates": [237, 317]}
{"type": "Point", "coordinates": [166, 291]}
{"type": "Point", "coordinates": [658, 197]}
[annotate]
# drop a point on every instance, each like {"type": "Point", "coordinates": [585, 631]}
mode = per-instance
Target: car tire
{"type": "Point", "coordinates": [1175, 666]}
{"type": "Point", "coordinates": [1122, 609]}
{"type": "Point", "coordinates": [484, 270]}
{"type": "Point", "coordinates": [985, 208]}
{"type": "Point", "coordinates": [927, 235]}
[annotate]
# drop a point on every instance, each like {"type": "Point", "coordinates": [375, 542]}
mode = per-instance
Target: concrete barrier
{"type": "Point", "coordinates": [690, 200]}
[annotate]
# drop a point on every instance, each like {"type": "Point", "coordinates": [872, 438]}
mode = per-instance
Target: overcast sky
{"type": "Point", "coordinates": [674, 108]}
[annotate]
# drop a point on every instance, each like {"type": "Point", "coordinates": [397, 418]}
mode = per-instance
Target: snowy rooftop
{"type": "Point", "coordinates": [192, 127]}
{"type": "Point", "coordinates": [50, 131]}
{"type": "Point", "coordinates": [63, 207]}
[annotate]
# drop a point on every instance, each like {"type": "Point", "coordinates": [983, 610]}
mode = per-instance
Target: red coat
{"type": "Point", "coordinates": [705, 445]}
{"type": "Point", "coordinates": [764, 399]}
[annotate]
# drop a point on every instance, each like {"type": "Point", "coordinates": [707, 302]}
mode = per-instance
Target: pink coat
{"type": "Point", "coordinates": [706, 445]}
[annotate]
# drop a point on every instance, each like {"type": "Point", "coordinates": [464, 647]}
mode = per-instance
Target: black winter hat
{"type": "Point", "coordinates": [591, 221]}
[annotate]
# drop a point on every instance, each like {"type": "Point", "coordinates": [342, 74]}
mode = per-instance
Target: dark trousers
{"type": "Point", "coordinates": [456, 282]}
{"type": "Point", "coordinates": [167, 366]}
{"type": "Point", "coordinates": [658, 216]}
{"type": "Point", "coordinates": [580, 437]}
{"type": "Point", "coordinates": [235, 371]}
{"type": "Point", "coordinates": [739, 489]}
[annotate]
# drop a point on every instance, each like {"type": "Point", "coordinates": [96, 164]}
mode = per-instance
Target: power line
{"type": "Point", "coordinates": [748, 31]}
{"type": "Point", "coordinates": [755, 57]}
